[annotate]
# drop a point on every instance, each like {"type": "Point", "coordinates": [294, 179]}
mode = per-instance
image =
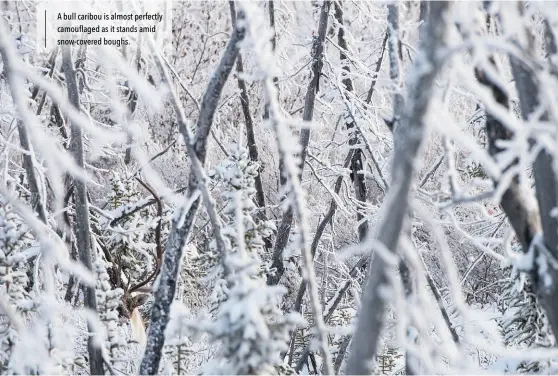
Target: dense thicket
{"type": "Point", "coordinates": [306, 187]}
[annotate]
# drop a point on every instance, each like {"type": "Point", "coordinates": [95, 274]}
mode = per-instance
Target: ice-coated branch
{"type": "Point", "coordinates": [523, 216]}
{"type": "Point", "coordinates": [17, 85]}
{"type": "Point", "coordinates": [377, 70]}
{"type": "Point", "coordinates": [408, 135]}
{"type": "Point", "coordinates": [308, 113]}
{"type": "Point", "coordinates": [357, 165]}
{"type": "Point", "coordinates": [273, 40]}
{"type": "Point", "coordinates": [530, 90]}
{"type": "Point", "coordinates": [82, 226]}
{"type": "Point", "coordinates": [314, 246]}
{"type": "Point", "coordinates": [184, 217]}
{"type": "Point", "coordinates": [353, 160]}
{"type": "Point", "coordinates": [250, 136]}
{"type": "Point", "coordinates": [394, 63]}
{"type": "Point", "coordinates": [440, 301]}
{"type": "Point", "coordinates": [293, 176]}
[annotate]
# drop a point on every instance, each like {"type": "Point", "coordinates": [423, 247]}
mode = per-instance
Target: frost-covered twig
{"type": "Point", "coordinates": [408, 135]}
{"type": "Point", "coordinates": [125, 211]}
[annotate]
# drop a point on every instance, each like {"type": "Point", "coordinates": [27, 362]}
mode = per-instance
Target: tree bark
{"type": "Point", "coordinates": [357, 165]}
{"type": "Point", "coordinates": [271, 11]}
{"type": "Point", "coordinates": [184, 218]}
{"type": "Point", "coordinates": [250, 136]}
{"type": "Point", "coordinates": [37, 201]}
{"type": "Point", "coordinates": [408, 135]}
{"type": "Point", "coordinates": [132, 104]}
{"type": "Point", "coordinates": [82, 225]}
{"type": "Point", "coordinates": [284, 230]}
{"type": "Point", "coordinates": [546, 193]}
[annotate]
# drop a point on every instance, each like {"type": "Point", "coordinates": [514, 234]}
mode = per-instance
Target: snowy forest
{"type": "Point", "coordinates": [286, 187]}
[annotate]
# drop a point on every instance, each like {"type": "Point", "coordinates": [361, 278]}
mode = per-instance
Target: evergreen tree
{"type": "Point", "coordinates": [108, 301]}
{"type": "Point", "coordinates": [128, 241]}
{"type": "Point", "coordinates": [249, 324]}
{"type": "Point", "coordinates": [14, 238]}
{"type": "Point", "coordinates": [177, 339]}
{"type": "Point", "coordinates": [524, 322]}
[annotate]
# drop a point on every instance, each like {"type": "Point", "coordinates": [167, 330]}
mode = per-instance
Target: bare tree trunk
{"type": "Point", "coordinates": [441, 305]}
{"type": "Point", "coordinates": [394, 48]}
{"type": "Point", "coordinates": [271, 11]}
{"type": "Point", "coordinates": [252, 147]}
{"type": "Point", "coordinates": [408, 135]}
{"type": "Point", "coordinates": [284, 230]}
{"type": "Point", "coordinates": [82, 226]}
{"type": "Point", "coordinates": [526, 220]}
{"type": "Point", "coordinates": [184, 219]}
{"type": "Point", "coordinates": [132, 104]}
{"type": "Point", "coordinates": [37, 201]}
{"type": "Point", "coordinates": [545, 182]}
{"type": "Point", "coordinates": [353, 160]}
{"type": "Point", "coordinates": [72, 290]}
{"type": "Point", "coordinates": [357, 165]}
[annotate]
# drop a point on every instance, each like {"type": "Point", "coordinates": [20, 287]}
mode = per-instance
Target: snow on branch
{"type": "Point", "coordinates": [408, 135]}
{"type": "Point", "coordinates": [185, 217]}
{"type": "Point", "coordinates": [263, 56]}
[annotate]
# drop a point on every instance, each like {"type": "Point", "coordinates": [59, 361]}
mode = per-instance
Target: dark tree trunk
{"type": "Point", "coordinates": [168, 277]}
{"type": "Point", "coordinates": [284, 230]}
{"type": "Point", "coordinates": [82, 226]}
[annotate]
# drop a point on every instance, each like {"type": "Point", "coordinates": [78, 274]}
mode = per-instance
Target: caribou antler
{"type": "Point", "coordinates": [159, 254]}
